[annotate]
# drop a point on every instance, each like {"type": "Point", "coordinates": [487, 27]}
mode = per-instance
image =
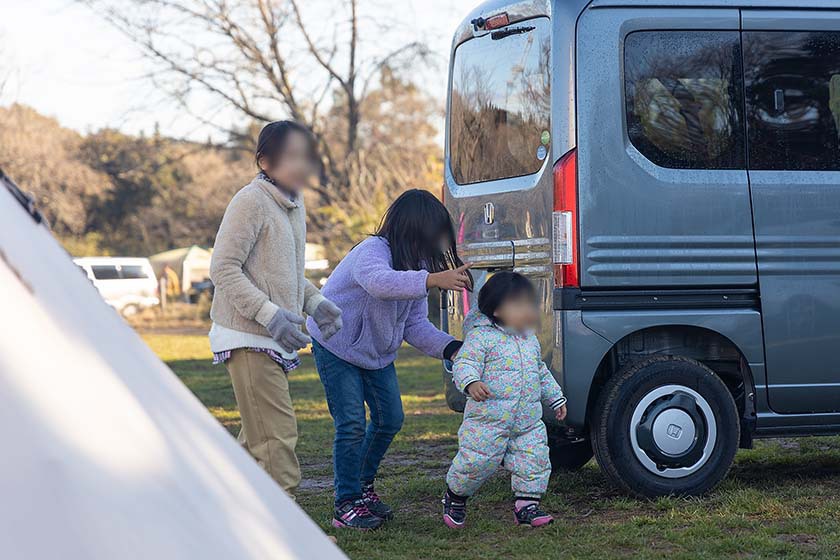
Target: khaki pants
{"type": "Point", "coordinates": [269, 427]}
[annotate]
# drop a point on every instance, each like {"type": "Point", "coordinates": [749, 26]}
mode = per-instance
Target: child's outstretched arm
{"type": "Point", "coordinates": [422, 334]}
{"type": "Point", "coordinates": [550, 391]}
{"type": "Point", "coordinates": [373, 272]}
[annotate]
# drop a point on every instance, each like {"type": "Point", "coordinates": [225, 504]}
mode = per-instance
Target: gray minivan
{"type": "Point", "coordinates": [668, 175]}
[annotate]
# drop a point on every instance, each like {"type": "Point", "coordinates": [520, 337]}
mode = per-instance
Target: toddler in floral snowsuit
{"type": "Point", "coordinates": [500, 368]}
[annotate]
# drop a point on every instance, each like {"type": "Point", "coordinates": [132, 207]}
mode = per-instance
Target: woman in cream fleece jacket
{"type": "Point", "coordinates": [258, 272]}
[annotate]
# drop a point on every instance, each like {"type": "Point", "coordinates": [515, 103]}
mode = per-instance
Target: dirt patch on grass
{"type": "Point", "coordinates": [432, 456]}
{"type": "Point", "coordinates": [800, 540]}
{"type": "Point", "coordinates": [315, 484]}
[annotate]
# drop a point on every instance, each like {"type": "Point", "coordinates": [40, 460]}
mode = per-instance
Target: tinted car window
{"type": "Point", "coordinates": [684, 98]}
{"type": "Point", "coordinates": [133, 272]}
{"type": "Point", "coordinates": [105, 272]}
{"type": "Point", "coordinates": [793, 99]}
{"type": "Point", "coordinates": [500, 104]}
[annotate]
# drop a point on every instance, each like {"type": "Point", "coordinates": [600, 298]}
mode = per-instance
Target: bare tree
{"type": "Point", "coordinates": [267, 59]}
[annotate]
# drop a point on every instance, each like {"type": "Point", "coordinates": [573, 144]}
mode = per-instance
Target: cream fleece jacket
{"type": "Point", "coordinates": [258, 260]}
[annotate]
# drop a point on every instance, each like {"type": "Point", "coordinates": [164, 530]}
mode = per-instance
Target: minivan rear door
{"type": "Point", "coordinates": [792, 79]}
{"type": "Point", "coordinates": [503, 134]}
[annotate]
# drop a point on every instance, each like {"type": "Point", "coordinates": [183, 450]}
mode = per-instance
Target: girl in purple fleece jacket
{"type": "Point", "coordinates": [382, 287]}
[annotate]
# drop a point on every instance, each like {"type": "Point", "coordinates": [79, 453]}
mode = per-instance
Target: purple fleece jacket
{"type": "Point", "coordinates": [380, 306]}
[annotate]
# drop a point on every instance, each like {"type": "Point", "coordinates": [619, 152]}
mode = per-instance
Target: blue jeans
{"type": "Point", "coordinates": [359, 445]}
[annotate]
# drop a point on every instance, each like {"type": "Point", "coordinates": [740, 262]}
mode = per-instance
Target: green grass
{"type": "Point", "coordinates": [779, 501]}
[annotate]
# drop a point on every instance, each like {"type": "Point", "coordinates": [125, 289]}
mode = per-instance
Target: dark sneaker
{"type": "Point", "coordinates": [376, 506]}
{"type": "Point", "coordinates": [355, 515]}
{"type": "Point", "coordinates": [454, 510]}
{"type": "Point", "coordinates": [531, 515]}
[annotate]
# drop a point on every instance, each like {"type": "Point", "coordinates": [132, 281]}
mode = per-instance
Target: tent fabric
{"type": "Point", "coordinates": [105, 454]}
{"type": "Point", "coordinates": [191, 263]}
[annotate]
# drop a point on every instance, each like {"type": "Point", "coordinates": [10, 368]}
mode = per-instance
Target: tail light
{"type": "Point", "coordinates": [564, 222]}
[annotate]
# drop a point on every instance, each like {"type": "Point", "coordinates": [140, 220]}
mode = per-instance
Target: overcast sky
{"type": "Point", "coordinates": [68, 63]}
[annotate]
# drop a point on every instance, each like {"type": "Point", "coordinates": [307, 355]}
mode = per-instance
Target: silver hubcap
{"type": "Point", "coordinates": [674, 431]}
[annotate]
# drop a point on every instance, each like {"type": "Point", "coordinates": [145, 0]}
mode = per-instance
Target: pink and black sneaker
{"type": "Point", "coordinates": [531, 515]}
{"type": "Point", "coordinates": [376, 506]}
{"type": "Point", "coordinates": [354, 514]}
{"type": "Point", "coordinates": [454, 510]}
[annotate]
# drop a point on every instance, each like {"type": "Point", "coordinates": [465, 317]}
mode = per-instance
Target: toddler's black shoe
{"type": "Point", "coordinates": [354, 514]}
{"type": "Point", "coordinates": [531, 515]}
{"type": "Point", "coordinates": [376, 506]}
{"type": "Point", "coordinates": [454, 510]}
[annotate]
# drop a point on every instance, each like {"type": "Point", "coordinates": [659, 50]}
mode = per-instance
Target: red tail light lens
{"type": "Point", "coordinates": [565, 228]}
{"type": "Point", "coordinates": [497, 21]}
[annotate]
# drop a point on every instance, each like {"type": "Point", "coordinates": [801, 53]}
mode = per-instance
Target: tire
{"type": "Point", "coordinates": [665, 426]}
{"type": "Point", "coordinates": [568, 455]}
{"type": "Point", "coordinates": [130, 310]}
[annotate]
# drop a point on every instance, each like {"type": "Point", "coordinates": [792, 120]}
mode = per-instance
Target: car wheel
{"type": "Point", "coordinates": [665, 426]}
{"type": "Point", "coordinates": [130, 310]}
{"type": "Point", "coordinates": [565, 454]}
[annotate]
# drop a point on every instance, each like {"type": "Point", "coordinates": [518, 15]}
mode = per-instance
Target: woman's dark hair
{"type": "Point", "coordinates": [273, 138]}
{"type": "Point", "coordinates": [414, 226]}
{"type": "Point", "coordinates": [501, 287]}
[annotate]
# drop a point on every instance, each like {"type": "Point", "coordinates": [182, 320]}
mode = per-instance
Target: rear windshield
{"type": "Point", "coordinates": [500, 104]}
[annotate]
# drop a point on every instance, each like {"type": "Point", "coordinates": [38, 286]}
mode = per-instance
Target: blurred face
{"type": "Point", "coordinates": [294, 168]}
{"type": "Point", "coordinates": [519, 313]}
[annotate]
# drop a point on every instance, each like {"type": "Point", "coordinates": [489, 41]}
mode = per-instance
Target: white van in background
{"type": "Point", "coordinates": [126, 284]}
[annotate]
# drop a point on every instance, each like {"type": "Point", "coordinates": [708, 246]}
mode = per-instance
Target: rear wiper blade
{"type": "Point", "coordinates": [502, 33]}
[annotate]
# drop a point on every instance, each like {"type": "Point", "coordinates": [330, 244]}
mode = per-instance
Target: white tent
{"type": "Point", "coordinates": [104, 454]}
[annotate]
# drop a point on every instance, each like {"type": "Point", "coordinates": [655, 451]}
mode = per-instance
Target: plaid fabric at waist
{"type": "Point", "coordinates": [285, 363]}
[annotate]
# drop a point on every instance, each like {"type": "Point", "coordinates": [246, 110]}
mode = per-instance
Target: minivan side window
{"type": "Point", "coordinates": [105, 272]}
{"type": "Point", "coordinates": [793, 99]}
{"type": "Point", "coordinates": [133, 272]}
{"type": "Point", "coordinates": [684, 98]}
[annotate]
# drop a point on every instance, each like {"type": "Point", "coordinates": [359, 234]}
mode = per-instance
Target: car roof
{"type": "Point", "coordinates": [111, 260]}
{"type": "Point", "coordinates": [769, 4]}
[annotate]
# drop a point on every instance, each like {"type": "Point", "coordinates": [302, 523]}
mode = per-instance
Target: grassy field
{"type": "Point", "coordinates": [779, 501]}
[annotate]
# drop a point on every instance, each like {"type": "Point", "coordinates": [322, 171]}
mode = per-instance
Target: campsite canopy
{"type": "Point", "coordinates": [105, 454]}
{"type": "Point", "coordinates": [192, 264]}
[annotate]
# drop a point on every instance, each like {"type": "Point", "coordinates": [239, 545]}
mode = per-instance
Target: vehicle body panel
{"type": "Point", "coordinates": [653, 229]}
{"type": "Point", "coordinates": [137, 292]}
{"type": "Point", "coordinates": [520, 236]}
{"type": "Point", "coordinates": [797, 231]}
{"type": "Point", "coordinates": [765, 4]}
{"type": "Point", "coordinates": [643, 225]}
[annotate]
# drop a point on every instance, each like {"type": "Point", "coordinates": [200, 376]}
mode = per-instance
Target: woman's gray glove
{"type": "Point", "coordinates": [328, 318]}
{"type": "Point", "coordinates": [285, 330]}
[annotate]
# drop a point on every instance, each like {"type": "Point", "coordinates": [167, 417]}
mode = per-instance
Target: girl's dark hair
{"type": "Point", "coordinates": [273, 138]}
{"type": "Point", "coordinates": [503, 286]}
{"type": "Point", "coordinates": [414, 226]}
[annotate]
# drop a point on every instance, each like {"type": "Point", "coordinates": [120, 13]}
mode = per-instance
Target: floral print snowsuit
{"type": "Point", "coordinates": [506, 429]}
